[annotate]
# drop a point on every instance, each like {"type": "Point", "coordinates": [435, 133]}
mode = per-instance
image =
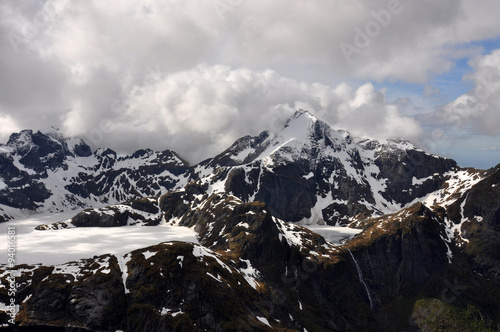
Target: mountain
{"type": "Point", "coordinates": [310, 173]}
{"type": "Point", "coordinates": [42, 172]}
{"type": "Point", "coordinates": [306, 173]}
{"type": "Point", "coordinates": [426, 257]}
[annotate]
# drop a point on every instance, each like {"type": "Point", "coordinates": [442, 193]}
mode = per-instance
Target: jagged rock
{"type": "Point", "coordinates": [477, 215]}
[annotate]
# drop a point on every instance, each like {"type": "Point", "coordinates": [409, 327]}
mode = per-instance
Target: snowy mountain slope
{"type": "Point", "coordinates": [42, 172]}
{"type": "Point", "coordinates": [311, 173]}
{"type": "Point", "coordinates": [472, 221]}
{"type": "Point", "coordinates": [307, 172]}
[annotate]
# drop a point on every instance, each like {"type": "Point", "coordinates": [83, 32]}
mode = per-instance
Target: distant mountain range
{"type": "Point", "coordinates": [430, 233]}
{"type": "Point", "coordinates": [307, 172]}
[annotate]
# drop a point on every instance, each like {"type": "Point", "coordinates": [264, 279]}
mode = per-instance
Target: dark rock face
{"type": "Point", "coordinates": [400, 170]}
{"type": "Point", "coordinates": [478, 213]}
{"type": "Point", "coordinates": [99, 302]}
{"type": "Point", "coordinates": [288, 195]}
{"type": "Point", "coordinates": [78, 293]}
{"type": "Point", "coordinates": [402, 254]}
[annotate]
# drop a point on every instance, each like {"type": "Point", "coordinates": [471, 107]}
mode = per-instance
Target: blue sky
{"type": "Point", "coordinates": [468, 147]}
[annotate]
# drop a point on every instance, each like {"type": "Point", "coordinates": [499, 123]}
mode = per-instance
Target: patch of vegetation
{"type": "Point", "coordinates": [432, 314]}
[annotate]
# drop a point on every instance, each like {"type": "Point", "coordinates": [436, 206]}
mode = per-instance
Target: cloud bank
{"type": "Point", "coordinates": [194, 75]}
{"type": "Point", "coordinates": [203, 110]}
{"type": "Point", "coordinates": [479, 109]}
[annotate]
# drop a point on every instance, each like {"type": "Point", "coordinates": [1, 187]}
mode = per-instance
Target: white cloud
{"type": "Point", "coordinates": [478, 110]}
{"type": "Point", "coordinates": [201, 111]}
{"type": "Point", "coordinates": [7, 125]}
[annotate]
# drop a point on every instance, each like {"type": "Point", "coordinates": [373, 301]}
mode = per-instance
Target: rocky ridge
{"type": "Point", "coordinates": [252, 271]}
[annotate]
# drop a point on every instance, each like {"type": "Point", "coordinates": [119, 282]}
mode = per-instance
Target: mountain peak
{"type": "Point", "coordinates": [300, 126]}
{"type": "Point", "coordinates": [301, 115]}
{"type": "Point", "coordinates": [52, 132]}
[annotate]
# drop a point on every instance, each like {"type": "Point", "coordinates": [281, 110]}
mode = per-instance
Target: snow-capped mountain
{"type": "Point", "coordinates": [311, 173]}
{"type": "Point", "coordinates": [46, 172]}
{"type": "Point", "coordinates": [426, 229]}
{"type": "Point", "coordinates": [307, 172]}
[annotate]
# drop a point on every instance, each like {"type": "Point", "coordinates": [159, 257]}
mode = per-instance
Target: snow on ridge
{"type": "Point", "coordinates": [201, 252]}
{"type": "Point", "coordinates": [263, 320]}
{"type": "Point", "coordinates": [250, 274]}
{"type": "Point", "coordinates": [243, 154]}
{"type": "Point", "coordinates": [457, 184]}
{"type": "Point", "coordinates": [148, 254]}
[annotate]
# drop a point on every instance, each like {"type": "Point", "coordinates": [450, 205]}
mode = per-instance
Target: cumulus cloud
{"type": "Point", "coordinates": [129, 73]}
{"type": "Point", "coordinates": [478, 110]}
{"type": "Point", "coordinates": [201, 111]}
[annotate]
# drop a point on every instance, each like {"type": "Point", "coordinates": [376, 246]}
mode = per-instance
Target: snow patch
{"type": "Point", "coordinates": [308, 176]}
{"type": "Point", "coordinates": [180, 259]}
{"type": "Point", "coordinates": [250, 274]}
{"type": "Point", "coordinates": [122, 262]}
{"type": "Point", "coordinates": [263, 320]}
{"type": "Point", "coordinates": [148, 254]}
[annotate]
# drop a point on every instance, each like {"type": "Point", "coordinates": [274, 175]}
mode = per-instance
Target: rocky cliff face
{"type": "Point", "coordinates": [474, 219]}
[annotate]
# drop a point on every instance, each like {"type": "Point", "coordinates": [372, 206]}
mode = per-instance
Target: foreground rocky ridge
{"type": "Point", "coordinates": [252, 271]}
